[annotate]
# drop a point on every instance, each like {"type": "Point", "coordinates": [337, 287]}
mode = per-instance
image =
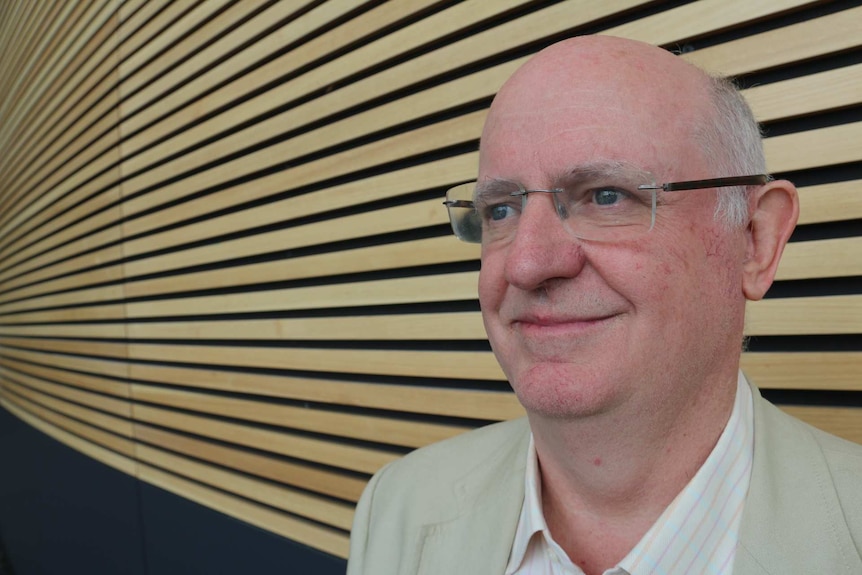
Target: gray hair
{"type": "Point", "coordinates": [731, 139]}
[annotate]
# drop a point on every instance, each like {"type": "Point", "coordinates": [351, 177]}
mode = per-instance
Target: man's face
{"type": "Point", "coordinates": [582, 327]}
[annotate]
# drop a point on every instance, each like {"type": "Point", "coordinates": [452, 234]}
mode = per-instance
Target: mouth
{"type": "Point", "coordinates": [550, 327]}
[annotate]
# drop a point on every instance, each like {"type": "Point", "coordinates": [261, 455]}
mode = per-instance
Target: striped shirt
{"type": "Point", "coordinates": [697, 533]}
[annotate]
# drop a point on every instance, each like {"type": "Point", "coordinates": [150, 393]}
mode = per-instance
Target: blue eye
{"type": "Point", "coordinates": [500, 212]}
{"type": "Point", "coordinates": [608, 196]}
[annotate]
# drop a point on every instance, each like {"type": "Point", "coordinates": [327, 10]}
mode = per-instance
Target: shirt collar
{"type": "Point", "coordinates": [700, 526]}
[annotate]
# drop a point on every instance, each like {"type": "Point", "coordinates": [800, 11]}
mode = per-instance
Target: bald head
{"type": "Point", "coordinates": [618, 99]}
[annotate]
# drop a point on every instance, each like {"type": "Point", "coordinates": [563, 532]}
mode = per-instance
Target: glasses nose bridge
{"type": "Point", "coordinates": [553, 193]}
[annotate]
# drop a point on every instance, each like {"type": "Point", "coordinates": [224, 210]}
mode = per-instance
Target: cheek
{"type": "Point", "coordinates": [492, 283]}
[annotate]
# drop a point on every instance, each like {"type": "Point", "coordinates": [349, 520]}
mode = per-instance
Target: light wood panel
{"type": "Point", "coordinates": [328, 540]}
{"type": "Point", "coordinates": [798, 42]}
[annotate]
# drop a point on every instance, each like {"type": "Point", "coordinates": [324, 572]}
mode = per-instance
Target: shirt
{"type": "Point", "coordinates": [697, 533]}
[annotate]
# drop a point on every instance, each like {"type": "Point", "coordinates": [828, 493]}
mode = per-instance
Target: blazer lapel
{"type": "Point", "coordinates": [479, 538]}
{"type": "Point", "coordinates": [792, 522]}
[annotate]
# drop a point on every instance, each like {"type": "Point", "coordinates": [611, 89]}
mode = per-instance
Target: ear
{"type": "Point", "coordinates": [774, 209]}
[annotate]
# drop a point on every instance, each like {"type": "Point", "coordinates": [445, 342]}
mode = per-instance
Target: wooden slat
{"type": "Point", "coordinates": [54, 39]}
{"type": "Point", "coordinates": [809, 315]}
{"type": "Point", "coordinates": [329, 540]}
{"type": "Point", "coordinates": [830, 202]}
{"type": "Point", "coordinates": [141, 27]}
{"type": "Point", "coordinates": [821, 259]}
{"type": "Point", "coordinates": [391, 184]}
{"type": "Point", "coordinates": [120, 429]}
{"type": "Point", "coordinates": [361, 459]}
{"type": "Point", "coordinates": [798, 42]}
{"type": "Point", "coordinates": [77, 128]}
{"type": "Point", "coordinates": [435, 288]}
{"type": "Point", "coordinates": [439, 173]}
{"type": "Point", "coordinates": [830, 370]}
{"type": "Point", "coordinates": [396, 219]}
{"type": "Point", "coordinates": [29, 50]}
{"type": "Point", "coordinates": [106, 294]}
{"type": "Point", "coordinates": [814, 148]}
{"type": "Point", "coordinates": [824, 91]}
{"type": "Point", "coordinates": [118, 407]}
{"type": "Point", "coordinates": [313, 507]}
{"type": "Point", "coordinates": [425, 326]}
{"type": "Point", "coordinates": [174, 37]}
{"type": "Point", "coordinates": [454, 402]}
{"type": "Point", "coordinates": [419, 252]}
{"type": "Point", "coordinates": [422, 140]}
{"type": "Point", "coordinates": [89, 348]}
{"type": "Point", "coordinates": [828, 314]}
{"type": "Point", "coordinates": [154, 37]}
{"type": "Point", "coordinates": [304, 476]}
{"type": "Point", "coordinates": [700, 18]}
{"type": "Point", "coordinates": [77, 89]}
{"type": "Point", "coordinates": [17, 65]}
{"type": "Point", "coordinates": [54, 412]}
{"type": "Point", "coordinates": [322, 76]}
{"type": "Point", "coordinates": [101, 383]}
{"type": "Point", "coordinates": [370, 428]}
{"type": "Point", "coordinates": [99, 15]}
{"type": "Point", "coordinates": [56, 328]}
{"type": "Point", "coordinates": [106, 369]}
{"type": "Point", "coordinates": [190, 57]}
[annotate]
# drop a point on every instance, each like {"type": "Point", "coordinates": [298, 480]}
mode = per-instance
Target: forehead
{"type": "Point", "coordinates": [567, 109]}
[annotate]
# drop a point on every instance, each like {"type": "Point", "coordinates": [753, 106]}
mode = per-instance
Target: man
{"type": "Point", "coordinates": [615, 306]}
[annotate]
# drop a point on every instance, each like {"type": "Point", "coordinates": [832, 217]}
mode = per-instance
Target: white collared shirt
{"type": "Point", "coordinates": [697, 533]}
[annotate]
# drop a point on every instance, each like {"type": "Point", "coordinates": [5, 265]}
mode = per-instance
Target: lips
{"type": "Point", "coordinates": [553, 325]}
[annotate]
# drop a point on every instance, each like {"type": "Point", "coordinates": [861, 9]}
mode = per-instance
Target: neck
{"type": "Point", "coordinates": [606, 478]}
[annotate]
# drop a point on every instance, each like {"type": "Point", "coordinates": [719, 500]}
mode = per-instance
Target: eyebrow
{"type": "Point", "coordinates": [579, 173]}
{"type": "Point", "coordinates": [604, 169]}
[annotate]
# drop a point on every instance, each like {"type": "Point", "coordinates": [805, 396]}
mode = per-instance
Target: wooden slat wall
{"type": "Point", "coordinates": [224, 265]}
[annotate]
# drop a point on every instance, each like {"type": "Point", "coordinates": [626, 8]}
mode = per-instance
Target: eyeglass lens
{"type": "Point", "coordinates": [598, 208]}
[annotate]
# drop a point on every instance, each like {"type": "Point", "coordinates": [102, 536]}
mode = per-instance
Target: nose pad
{"type": "Point", "coordinates": [561, 208]}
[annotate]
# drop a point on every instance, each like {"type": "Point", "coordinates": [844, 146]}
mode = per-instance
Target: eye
{"type": "Point", "coordinates": [499, 212]}
{"type": "Point", "coordinates": [608, 196]}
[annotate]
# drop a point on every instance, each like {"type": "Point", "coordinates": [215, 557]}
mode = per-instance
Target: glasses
{"type": "Point", "coordinates": [604, 207]}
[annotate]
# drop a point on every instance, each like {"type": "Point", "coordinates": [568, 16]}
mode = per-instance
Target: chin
{"type": "Point", "coordinates": [562, 391]}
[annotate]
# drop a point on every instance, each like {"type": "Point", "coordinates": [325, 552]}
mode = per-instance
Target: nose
{"type": "Point", "coordinates": [542, 250]}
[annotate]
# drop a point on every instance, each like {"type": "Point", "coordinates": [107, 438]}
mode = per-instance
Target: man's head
{"type": "Point", "coordinates": [580, 326]}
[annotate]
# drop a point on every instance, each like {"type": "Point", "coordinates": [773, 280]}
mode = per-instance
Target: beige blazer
{"type": "Point", "coordinates": [452, 508]}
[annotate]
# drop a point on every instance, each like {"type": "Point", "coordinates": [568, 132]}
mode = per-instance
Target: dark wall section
{"type": "Point", "coordinates": [62, 512]}
{"type": "Point", "coordinates": [183, 537]}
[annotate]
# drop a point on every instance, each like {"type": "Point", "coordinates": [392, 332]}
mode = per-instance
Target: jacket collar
{"type": "Point", "coordinates": [478, 538]}
{"type": "Point", "coordinates": [792, 522]}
